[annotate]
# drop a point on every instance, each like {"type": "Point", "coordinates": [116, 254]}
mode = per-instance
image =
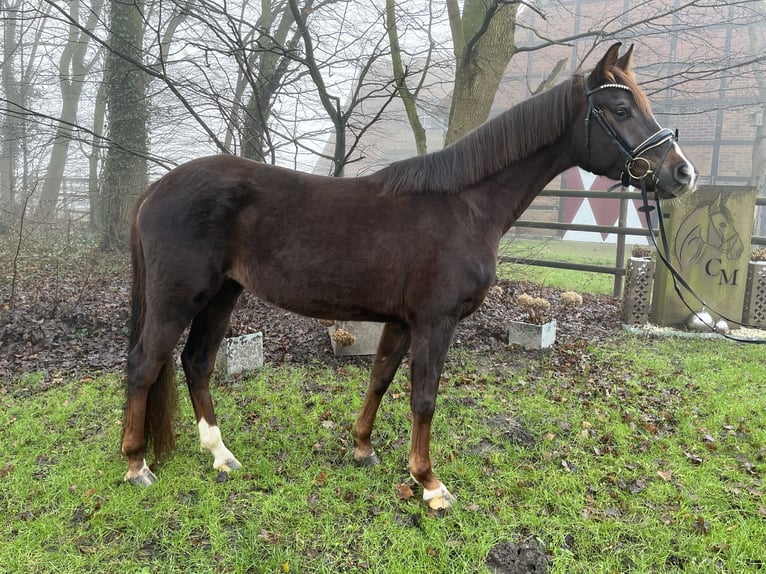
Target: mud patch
{"type": "Point", "coordinates": [511, 430]}
{"type": "Point", "coordinates": [517, 558]}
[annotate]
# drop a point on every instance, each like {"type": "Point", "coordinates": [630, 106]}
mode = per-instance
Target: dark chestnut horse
{"type": "Point", "coordinates": [413, 246]}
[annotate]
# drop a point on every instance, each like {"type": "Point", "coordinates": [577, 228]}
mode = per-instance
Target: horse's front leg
{"type": "Point", "coordinates": [428, 353]}
{"type": "Point", "coordinates": [393, 345]}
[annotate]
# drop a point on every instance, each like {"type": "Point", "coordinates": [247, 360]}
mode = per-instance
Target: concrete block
{"type": "Point", "coordinates": [532, 336]}
{"type": "Point", "coordinates": [240, 354]}
{"type": "Point", "coordinates": [367, 335]}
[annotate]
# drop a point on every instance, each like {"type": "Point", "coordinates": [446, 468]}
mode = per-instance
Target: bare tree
{"type": "Point", "coordinates": [409, 97]}
{"type": "Point", "coordinates": [483, 39]}
{"type": "Point", "coordinates": [276, 79]}
{"type": "Point", "coordinates": [74, 66]}
{"type": "Point", "coordinates": [21, 41]}
{"type": "Point", "coordinates": [125, 167]}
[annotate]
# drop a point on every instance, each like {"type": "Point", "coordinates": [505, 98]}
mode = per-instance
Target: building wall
{"type": "Point", "coordinates": [715, 113]}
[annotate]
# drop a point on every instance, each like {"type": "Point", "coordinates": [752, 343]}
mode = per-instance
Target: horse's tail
{"type": "Point", "coordinates": [162, 398]}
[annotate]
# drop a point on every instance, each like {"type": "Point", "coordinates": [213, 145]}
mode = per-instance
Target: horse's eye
{"type": "Point", "coordinates": [621, 112]}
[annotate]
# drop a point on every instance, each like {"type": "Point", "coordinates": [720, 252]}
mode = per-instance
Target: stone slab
{"type": "Point", "coordinates": [532, 336]}
{"type": "Point", "coordinates": [367, 336]}
{"type": "Point", "coordinates": [240, 354]}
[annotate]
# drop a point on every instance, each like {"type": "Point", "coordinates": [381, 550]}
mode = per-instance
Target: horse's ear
{"type": "Point", "coordinates": [625, 61]}
{"type": "Point", "coordinates": [602, 73]}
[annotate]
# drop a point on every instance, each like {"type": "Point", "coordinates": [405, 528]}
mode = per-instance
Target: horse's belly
{"type": "Point", "coordinates": [323, 294]}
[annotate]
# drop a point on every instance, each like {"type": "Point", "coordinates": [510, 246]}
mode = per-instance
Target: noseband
{"type": "Point", "coordinates": [633, 157]}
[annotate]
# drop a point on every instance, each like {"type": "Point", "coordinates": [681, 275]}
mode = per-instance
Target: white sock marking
{"type": "Point", "coordinates": [210, 440]}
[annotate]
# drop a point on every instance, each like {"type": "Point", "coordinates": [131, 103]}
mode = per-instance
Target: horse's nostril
{"type": "Point", "coordinates": [683, 173]}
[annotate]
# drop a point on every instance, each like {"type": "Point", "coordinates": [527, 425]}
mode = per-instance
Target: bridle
{"type": "Point", "coordinates": [633, 157]}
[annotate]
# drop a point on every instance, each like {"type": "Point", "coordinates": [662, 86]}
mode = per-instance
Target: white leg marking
{"type": "Point", "coordinates": [210, 440]}
{"type": "Point", "coordinates": [437, 498]}
{"type": "Point", "coordinates": [143, 477]}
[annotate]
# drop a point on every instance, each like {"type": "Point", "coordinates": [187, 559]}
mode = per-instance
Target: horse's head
{"type": "Point", "coordinates": [622, 138]}
{"type": "Point", "coordinates": [722, 231]}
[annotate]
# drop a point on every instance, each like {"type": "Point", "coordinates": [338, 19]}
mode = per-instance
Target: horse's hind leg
{"type": "Point", "coordinates": [198, 359]}
{"type": "Point", "coordinates": [392, 347]}
{"type": "Point", "coordinates": [150, 396]}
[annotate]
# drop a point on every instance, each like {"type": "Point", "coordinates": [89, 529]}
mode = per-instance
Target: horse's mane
{"type": "Point", "coordinates": [513, 135]}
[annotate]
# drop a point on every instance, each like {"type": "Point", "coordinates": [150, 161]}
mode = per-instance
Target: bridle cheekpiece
{"type": "Point", "coordinates": [634, 156]}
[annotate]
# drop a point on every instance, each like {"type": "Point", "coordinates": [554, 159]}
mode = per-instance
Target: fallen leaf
{"type": "Point", "coordinates": [270, 537]}
{"type": "Point", "coordinates": [637, 486]}
{"type": "Point", "coordinates": [568, 466]}
{"type": "Point", "coordinates": [403, 491]}
{"type": "Point", "coordinates": [693, 458]}
{"type": "Point", "coordinates": [665, 475]}
{"type": "Point", "coordinates": [701, 525]}
{"type": "Point", "coordinates": [321, 478]}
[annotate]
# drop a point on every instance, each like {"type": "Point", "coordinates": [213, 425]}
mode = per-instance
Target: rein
{"type": "Point", "coordinates": [632, 156]}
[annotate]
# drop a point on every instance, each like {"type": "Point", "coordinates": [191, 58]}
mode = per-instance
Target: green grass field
{"type": "Point", "coordinates": [650, 458]}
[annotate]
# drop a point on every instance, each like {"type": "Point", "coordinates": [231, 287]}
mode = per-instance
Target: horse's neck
{"type": "Point", "coordinates": [510, 191]}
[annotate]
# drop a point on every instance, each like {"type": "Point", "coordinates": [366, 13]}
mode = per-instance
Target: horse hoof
{"type": "Point", "coordinates": [143, 479]}
{"type": "Point", "coordinates": [438, 498]}
{"type": "Point", "coordinates": [370, 460]}
{"type": "Point", "coordinates": [228, 465]}
{"type": "Point", "coordinates": [441, 502]}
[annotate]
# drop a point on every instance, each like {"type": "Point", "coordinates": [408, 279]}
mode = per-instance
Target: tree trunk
{"type": "Point", "coordinates": [269, 69]}
{"type": "Point", "coordinates": [10, 125]}
{"type": "Point", "coordinates": [484, 45]}
{"type": "Point", "coordinates": [72, 69]}
{"type": "Point", "coordinates": [94, 155]}
{"type": "Point", "coordinates": [125, 167]}
{"type": "Point", "coordinates": [408, 98]}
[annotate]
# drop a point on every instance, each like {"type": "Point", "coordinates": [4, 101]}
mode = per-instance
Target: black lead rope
{"type": "Point", "coordinates": [678, 280]}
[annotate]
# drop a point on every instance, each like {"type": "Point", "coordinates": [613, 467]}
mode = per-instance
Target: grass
{"type": "Point", "coordinates": [648, 456]}
{"type": "Point", "coordinates": [557, 250]}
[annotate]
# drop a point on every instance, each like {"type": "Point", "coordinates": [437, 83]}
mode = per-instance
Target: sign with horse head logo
{"type": "Point", "coordinates": [708, 234]}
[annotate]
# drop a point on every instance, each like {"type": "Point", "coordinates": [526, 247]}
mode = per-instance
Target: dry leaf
{"type": "Point", "coordinates": [701, 525]}
{"type": "Point", "coordinates": [403, 491]}
{"type": "Point", "coordinates": [693, 458]}
{"type": "Point", "coordinates": [665, 475]}
{"type": "Point", "coordinates": [321, 478]}
{"type": "Point", "coordinates": [269, 537]}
